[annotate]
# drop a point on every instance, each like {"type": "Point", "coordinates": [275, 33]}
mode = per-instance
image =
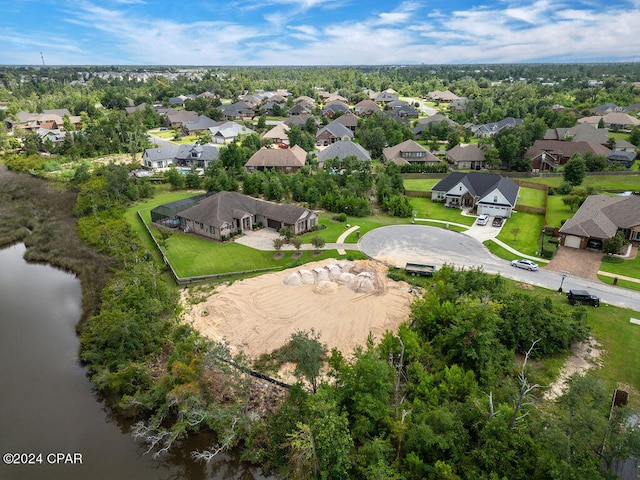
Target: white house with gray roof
{"type": "Point", "coordinates": [488, 193]}
{"type": "Point", "coordinates": [227, 132]}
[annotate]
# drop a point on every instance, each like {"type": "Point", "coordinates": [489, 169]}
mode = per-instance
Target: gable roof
{"type": "Point", "coordinates": [566, 149]}
{"type": "Point", "coordinates": [390, 153]}
{"type": "Point", "coordinates": [495, 127]}
{"type": "Point", "coordinates": [348, 119]}
{"type": "Point", "coordinates": [366, 107]}
{"type": "Point", "coordinates": [336, 129]}
{"type": "Point", "coordinates": [278, 157]}
{"type": "Point", "coordinates": [182, 152]}
{"type": "Point", "coordinates": [278, 132]}
{"type": "Point", "coordinates": [480, 184]}
{"type": "Point", "coordinates": [343, 149]}
{"type": "Point", "coordinates": [600, 216]}
{"type": "Point", "coordinates": [465, 152]}
{"type": "Point", "coordinates": [202, 122]}
{"type": "Point", "coordinates": [222, 207]}
{"type": "Point", "coordinates": [229, 129]}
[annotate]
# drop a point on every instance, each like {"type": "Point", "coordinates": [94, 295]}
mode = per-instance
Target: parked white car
{"type": "Point", "coordinates": [482, 220]}
{"type": "Point", "coordinates": [526, 264]}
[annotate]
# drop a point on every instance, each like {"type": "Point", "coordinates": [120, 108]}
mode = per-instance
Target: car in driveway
{"type": "Point", "coordinates": [497, 221]}
{"type": "Point", "coordinates": [526, 264]}
{"type": "Point", "coordinates": [482, 220]}
{"type": "Point", "coordinates": [582, 297]}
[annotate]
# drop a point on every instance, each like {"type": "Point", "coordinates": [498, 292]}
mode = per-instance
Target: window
{"type": "Point", "coordinates": [212, 230]}
{"type": "Point", "coordinates": [495, 199]}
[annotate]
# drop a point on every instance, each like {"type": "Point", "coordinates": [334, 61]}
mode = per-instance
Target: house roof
{"type": "Point", "coordinates": [583, 132]}
{"type": "Point", "coordinates": [298, 109]}
{"type": "Point", "coordinates": [223, 207]}
{"type": "Point", "coordinates": [202, 122]}
{"type": "Point", "coordinates": [343, 149]}
{"type": "Point", "coordinates": [335, 129]}
{"type": "Point", "coordinates": [613, 118]}
{"type": "Point", "coordinates": [182, 152]}
{"type": "Point", "coordinates": [566, 149]}
{"type": "Point", "coordinates": [279, 131]}
{"type": "Point", "coordinates": [180, 116]}
{"type": "Point", "coordinates": [495, 127]}
{"type": "Point", "coordinates": [230, 129]}
{"type": "Point", "coordinates": [600, 216]}
{"type": "Point", "coordinates": [445, 96]}
{"type": "Point", "coordinates": [348, 120]}
{"type": "Point", "coordinates": [300, 120]}
{"type": "Point", "coordinates": [366, 106]}
{"type": "Point", "coordinates": [480, 184]}
{"type": "Point", "coordinates": [390, 153]}
{"type": "Point", "coordinates": [465, 152]}
{"type": "Point", "coordinates": [278, 157]}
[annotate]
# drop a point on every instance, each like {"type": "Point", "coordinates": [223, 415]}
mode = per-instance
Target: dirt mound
{"type": "Point", "coordinates": [342, 301]}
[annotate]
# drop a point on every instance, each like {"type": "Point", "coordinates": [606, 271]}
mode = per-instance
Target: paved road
{"type": "Point", "coordinates": [398, 244]}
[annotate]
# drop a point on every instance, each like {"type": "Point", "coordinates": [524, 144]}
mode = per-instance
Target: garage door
{"type": "Point", "coordinates": [493, 211]}
{"type": "Point", "coordinates": [572, 241]}
{"type": "Point", "coordinates": [273, 224]}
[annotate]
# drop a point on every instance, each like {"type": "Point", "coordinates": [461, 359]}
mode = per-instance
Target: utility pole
{"type": "Point", "coordinates": [42, 56]}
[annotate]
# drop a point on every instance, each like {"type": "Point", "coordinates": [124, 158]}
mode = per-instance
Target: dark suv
{"type": "Point", "coordinates": [577, 297]}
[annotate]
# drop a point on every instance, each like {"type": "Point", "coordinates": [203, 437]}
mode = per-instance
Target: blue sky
{"type": "Point", "coordinates": [317, 32]}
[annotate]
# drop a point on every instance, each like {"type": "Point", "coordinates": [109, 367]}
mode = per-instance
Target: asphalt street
{"type": "Point", "coordinates": [398, 244]}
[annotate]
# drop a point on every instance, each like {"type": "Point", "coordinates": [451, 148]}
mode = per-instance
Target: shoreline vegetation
{"type": "Point", "coordinates": [39, 213]}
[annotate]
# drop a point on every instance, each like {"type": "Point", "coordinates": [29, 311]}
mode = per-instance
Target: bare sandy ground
{"type": "Point", "coordinates": [259, 314]}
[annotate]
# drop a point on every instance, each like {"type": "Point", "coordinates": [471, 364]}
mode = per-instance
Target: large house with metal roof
{"type": "Point", "coordinates": [224, 213]}
{"type": "Point", "coordinates": [488, 193]}
{"type": "Point", "coordinates": [601, 217]}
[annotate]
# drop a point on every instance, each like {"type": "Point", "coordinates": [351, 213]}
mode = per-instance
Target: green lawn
{"type": "Point", "coordinates": [621, 283]}
{"type": "Point", "coordinates": [604, 182]}
{"type": "Point", "coordinates": [527, 239]}
{"type": "Point", "coordinates": [425, 208]}
{"type": "Point", "coordinates": [557, 211]}
{"type": "Point", "coordinates": [194, 256]}
{"type": "Point", "coordinates": [420, 184]}
{"type": "Point", "coordinates": [628, 268]}
{"type": "Point", "coordinates": [531, 197]}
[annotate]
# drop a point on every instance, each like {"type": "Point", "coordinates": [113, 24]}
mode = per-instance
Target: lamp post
{"type": "Point", "coordinates": [564, 275]}
{"type": "Point", "coordinates": [542, 243]}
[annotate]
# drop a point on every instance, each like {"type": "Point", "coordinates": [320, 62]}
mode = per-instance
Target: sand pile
{"type": "Point", "coordinates": [342, 301]}
{"type": "Point", "coordinates": [363, 282]}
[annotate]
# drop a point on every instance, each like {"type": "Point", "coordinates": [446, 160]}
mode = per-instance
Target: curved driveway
{"type": "Point", "coordinates": [398, 244]}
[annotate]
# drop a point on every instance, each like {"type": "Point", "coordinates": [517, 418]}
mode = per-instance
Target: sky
{"type": "Point", "coordinates": [317, 32]}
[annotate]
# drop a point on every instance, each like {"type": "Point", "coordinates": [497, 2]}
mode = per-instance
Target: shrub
{"type": "Point", "coordinates": [565, 188]}
{"type": "Point", "coordinates": [551, 191]}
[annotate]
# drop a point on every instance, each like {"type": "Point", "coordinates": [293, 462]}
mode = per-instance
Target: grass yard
{"type": "Point", "coordinates": [628, 268]}
{"type": "Point", "coordinates": [527, 239]}
{"type": "Point", "coordinates": [557, 211]}
{"type": "Point", "coordinates": [604, 182]}
{"type": "Point", "coordinates": [437, 211]}
{"type": "Point", "coordinates": [193, 256]}
{"type": "Point", "coordinates": [621, 283]}
{"type": "Point", "coordinates": [166, 134]}
{"type": "Point", "coordinates": [531, 197]}
{"type": "Point", "coordinates": [420, 184]}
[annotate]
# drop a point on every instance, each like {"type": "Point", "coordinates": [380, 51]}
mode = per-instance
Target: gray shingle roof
{"type": "Point", "coordinates": [600, 216]}
{"type": "Point", "coordinates": [343, 149]}
{"type": "Point", "coordinates": [223, 207]}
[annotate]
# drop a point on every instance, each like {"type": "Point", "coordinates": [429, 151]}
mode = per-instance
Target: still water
{"type": "Point", "coordinates": [49, 411]}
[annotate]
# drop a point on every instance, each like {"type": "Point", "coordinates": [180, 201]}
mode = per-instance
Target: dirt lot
{"type": "Point", "coordinates": [342, 301]}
